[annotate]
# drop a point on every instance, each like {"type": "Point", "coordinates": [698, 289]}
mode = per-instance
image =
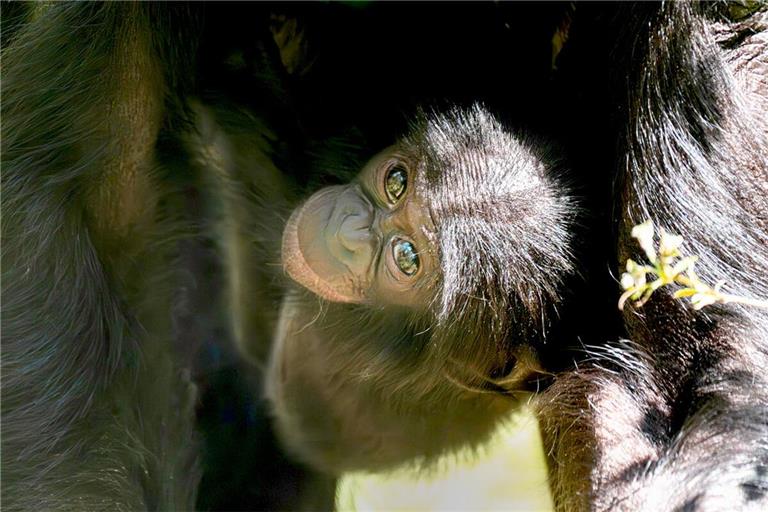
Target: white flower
{"type": "Point", "coordinates": [634, 277]}
{"type": "Point", "coordinates": [644, 235]}
{"type": "Point", "coordinates": [700, 300]}
{"type": "Point", "coordinates": [669, 245]}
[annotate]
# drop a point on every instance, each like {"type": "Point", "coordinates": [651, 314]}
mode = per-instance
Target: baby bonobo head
{"type": "Point", "coordinates": [435, 268]}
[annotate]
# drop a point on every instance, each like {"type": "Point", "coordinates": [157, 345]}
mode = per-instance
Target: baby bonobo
{"type": "Point", "coordinates": [426, 287]}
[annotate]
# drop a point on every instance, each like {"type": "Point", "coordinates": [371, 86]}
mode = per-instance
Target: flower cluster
{"type": "Point", "coordinates": [668, 266]}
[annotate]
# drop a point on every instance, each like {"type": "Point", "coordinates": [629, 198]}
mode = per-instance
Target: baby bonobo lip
{"type": "Point", "coordinates": [305, 254]}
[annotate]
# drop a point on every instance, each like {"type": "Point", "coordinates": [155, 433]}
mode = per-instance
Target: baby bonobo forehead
{"type": "Point", "coordinates": [471, 166]}
{"type": "Point", "coordinates": [501, 218]}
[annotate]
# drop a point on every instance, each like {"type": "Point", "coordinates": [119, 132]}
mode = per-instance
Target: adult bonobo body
{"type": "Point", "coordinates": [676, 418]}
{"type": "Point", "coordinates": [427, 282]}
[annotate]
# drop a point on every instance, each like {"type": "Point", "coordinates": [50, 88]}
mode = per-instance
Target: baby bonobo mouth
{"type": "Point", "coordinates": [350, 233]}
{"type": "Point", "coordinates": [311, 249]}
{"type": "Point", "coordinates": [329, 244]}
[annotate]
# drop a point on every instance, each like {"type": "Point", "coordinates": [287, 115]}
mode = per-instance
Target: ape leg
{"type": "Point", "coordinates": [96, 413]}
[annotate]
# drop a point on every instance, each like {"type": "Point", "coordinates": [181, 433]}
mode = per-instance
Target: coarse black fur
{"type": "Point", "coordinates": [88, 255]}
{"type": "Point", "coordinates": [108, 329]}
{"type": "Point", "coordinates": [677, 418]}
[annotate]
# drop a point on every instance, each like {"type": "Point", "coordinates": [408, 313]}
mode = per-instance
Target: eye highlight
{"type": "Point", "coordinates": [405, 256]}
{"type": "Point", "coordinates": [395, 183]}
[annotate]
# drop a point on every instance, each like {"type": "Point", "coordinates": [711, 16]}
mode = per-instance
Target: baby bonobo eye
{"type": "Point", "coordinates": [395, 183]}
{"type": "Point", "coordinates": [406, 258]}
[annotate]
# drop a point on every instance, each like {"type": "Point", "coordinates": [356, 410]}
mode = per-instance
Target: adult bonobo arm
{"type": "Point", "coordinates": [96, 414]}
{"type": "Point", "coordinates": [427, 284]}
{"type": "Point", "coordinates": [678, 418]}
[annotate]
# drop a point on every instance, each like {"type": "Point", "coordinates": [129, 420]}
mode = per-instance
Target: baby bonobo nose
{"type": "Point", "coordinates": [355, 219]}
{"type": "Point", "coordinates": [355, 231]}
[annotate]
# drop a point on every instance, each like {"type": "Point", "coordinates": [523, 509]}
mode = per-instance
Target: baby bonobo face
{"type": "Point", "coordinates": [462, 218]}
{"type": "Point", "coordinates": [371, 241]}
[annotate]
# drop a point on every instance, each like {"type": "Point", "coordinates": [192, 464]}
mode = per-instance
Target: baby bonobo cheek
{"type": "Point", "coordinates": [329, 246]}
